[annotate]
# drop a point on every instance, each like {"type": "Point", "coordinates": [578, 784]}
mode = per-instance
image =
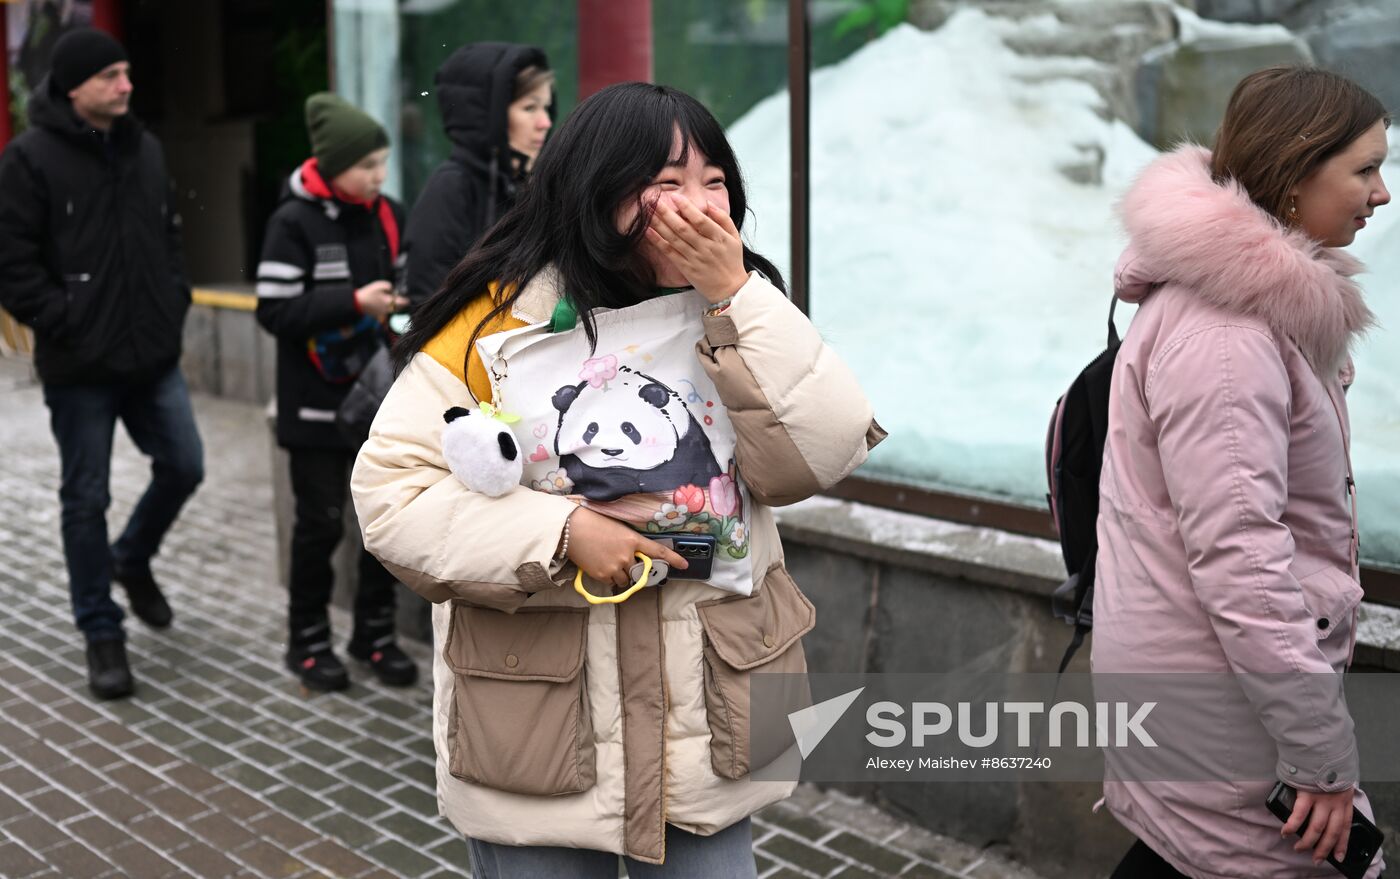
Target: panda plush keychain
{"type": "Point", "coordinates": [480, 449]}
{"type": "Point", "coordinates": [482, 453]}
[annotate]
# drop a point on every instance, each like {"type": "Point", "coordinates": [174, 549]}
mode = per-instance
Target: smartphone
{"type": "Point", "coordinates": [698, 549]}
{"type": "Point", "coordinates": [1362, 845]}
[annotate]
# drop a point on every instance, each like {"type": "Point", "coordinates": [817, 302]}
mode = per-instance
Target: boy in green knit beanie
{"type": "Point", "coordinates": [331, 269]}
{"type": "Point", "coordinates": [341, 133]}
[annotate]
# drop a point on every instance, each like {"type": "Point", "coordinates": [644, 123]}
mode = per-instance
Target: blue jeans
{"type": "Point", "coordinates": [728, 853]}
{"type": "Point", "coordinates": [159, 419]}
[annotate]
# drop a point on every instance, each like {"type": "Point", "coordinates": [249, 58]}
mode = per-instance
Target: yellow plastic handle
{"type": "Point", "coordinates": [615, 599]}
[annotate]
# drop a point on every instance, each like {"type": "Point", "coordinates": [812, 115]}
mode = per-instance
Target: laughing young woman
{"type": "Point", "coordinates": [570, 734]}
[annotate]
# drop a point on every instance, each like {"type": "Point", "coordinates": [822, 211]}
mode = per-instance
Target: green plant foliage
{"type": "Point", "coordinates": [301, 63]}
{"type": "Point", "coordinates": [874, 16]}
{"type": "Point", "coordinates": [860, 17]}
{"type": "Point", "coordinates": [19, 102]}
{"type": "Point", "coordinates": [891, 13]}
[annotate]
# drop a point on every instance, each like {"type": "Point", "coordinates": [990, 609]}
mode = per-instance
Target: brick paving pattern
{"type": "Point", "coordinates": [220, 766]}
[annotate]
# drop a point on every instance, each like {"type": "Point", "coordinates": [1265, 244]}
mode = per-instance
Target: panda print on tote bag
{"type": "Point", "coordinates": [633, 428]}
{"type": "Point", "coordinates": [629, 433]}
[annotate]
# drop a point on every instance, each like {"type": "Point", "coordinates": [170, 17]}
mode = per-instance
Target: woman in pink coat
{"type": "Point", "coordinates": [1227, 537]}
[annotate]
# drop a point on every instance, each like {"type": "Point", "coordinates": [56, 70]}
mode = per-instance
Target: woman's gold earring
{"type": "Point", "coordinates": [1293, 208]}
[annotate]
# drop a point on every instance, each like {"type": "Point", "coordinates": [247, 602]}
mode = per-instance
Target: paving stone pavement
{"type": "Point", "coordinates": [220, 765]}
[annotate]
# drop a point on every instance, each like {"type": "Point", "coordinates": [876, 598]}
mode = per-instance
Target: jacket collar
{"type": "Point", "coordinates": [540, 296]}
{"type": "Point", "coordinates": [307, 183]}
{"type": "Point", "coordinates": [298, 186]}
{"type": "Point", "coordinates": [54, 112]}
{"type": "Point", "coordinates": [1213, 240]}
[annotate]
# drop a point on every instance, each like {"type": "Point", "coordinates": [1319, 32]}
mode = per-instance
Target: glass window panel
{"type": "Point", "coordinates": [366, 42]}
{"type": "Point", "coordinates": [732, 55]}
{"type": "Point", "coordinates": [431, 30]}
{"type": "Point", "coordinates": [964, 171]}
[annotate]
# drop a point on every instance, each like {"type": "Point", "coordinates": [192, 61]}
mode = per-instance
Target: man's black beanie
{"type": "Point", "coordinates": [81, 54]}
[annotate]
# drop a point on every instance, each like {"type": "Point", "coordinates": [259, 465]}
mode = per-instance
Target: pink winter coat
{"type": "Point", "coordinates": [1226, 532]}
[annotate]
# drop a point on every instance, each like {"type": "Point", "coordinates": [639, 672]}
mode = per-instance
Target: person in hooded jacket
{"type": "Point", "coordinates": [326, 285]}
{"type": "Point", "coordinates": [1227, 530]}
{"type": "Point", "coordinates": [90, 258]}
{"type": "Point", "coordinates": [496, 101]}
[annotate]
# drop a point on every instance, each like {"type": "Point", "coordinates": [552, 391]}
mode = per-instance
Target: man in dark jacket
{"type": "Point", "coordinates": [496, 101]}
{"type": "Point", "coordinates": [90, 258]}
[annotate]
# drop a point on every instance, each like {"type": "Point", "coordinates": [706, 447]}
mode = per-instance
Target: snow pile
{"type": "Point", "coordinates": [963, 276]}
{"type": "Point", "coordinates": [1206, 34]}
{"type": "Point", "coordinates": [966, 278]}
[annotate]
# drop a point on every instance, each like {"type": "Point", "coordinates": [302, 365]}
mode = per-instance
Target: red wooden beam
{"type": "Point", "coordinates": [799, 152]}
{"type": "Point", "coordinates": [614, 43]}
{"type": "Point", "coordinates": [5, 131]}
{"type": "Point", "coordinates": [107, 16]}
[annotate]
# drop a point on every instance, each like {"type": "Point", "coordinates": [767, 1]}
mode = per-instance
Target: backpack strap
{"type": "Point", "coordinates": [1079, 632]}
{"type": "Point", "coordinates": [1084, 613]}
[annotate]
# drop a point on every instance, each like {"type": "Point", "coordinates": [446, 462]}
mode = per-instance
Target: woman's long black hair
{"type": "Point", "coordinates": [607, 151]}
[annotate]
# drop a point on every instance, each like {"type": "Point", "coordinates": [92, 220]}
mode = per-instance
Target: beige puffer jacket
{"type": "Point", "coordinates": [557, 723]}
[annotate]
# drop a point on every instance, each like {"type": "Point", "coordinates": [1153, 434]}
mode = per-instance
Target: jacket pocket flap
{"type": "Point", "coordinates": [532, 644]}
{"type": "Point", "coordinates": [1331, 595]}
{"type": "Point", "coordinates": [748, 631]}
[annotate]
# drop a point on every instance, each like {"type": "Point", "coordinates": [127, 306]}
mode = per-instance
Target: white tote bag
{"type": "Point", "coordinates": [633, 429]}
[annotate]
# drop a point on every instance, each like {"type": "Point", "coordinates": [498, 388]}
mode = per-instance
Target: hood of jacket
{"type": "Point", "coordinates": [55, 113]}
{"type": "Point", "coordinates": [296, 188]}
{"type": "Point", "coordinates": [1186, 229]}
{"type": "Point", "coordinates": [475, 87]}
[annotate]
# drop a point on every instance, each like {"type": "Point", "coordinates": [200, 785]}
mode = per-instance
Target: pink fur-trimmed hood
{"type": "Point", "coordinates": [1186, 229]}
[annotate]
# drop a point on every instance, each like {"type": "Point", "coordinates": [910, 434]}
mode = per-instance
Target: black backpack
{"type": "Point", "coordinates": [356, 412]}
{"type": "Point", "coordinates": [1073, 461]}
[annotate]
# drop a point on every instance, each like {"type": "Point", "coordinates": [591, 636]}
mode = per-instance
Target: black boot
{"type": "Point", "coordinates": [391, 665]}
{"type": "Point", "coordinates": [373, 643]}
{"type": "Point", "coordinates": [145, 597]}
{"type": "Point", "coordinates": [109, 675]}
{"type": "Point", "coordinates": [310, 658]}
